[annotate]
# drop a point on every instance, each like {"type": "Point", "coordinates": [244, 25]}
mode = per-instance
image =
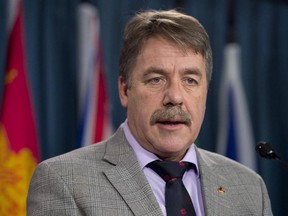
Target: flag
{"type": "Point", "coordinates": [95, 122]}
{"type": "Point", "coordinates": [235, 136]}
{"type": "Point", "coordinates": [18, 137]}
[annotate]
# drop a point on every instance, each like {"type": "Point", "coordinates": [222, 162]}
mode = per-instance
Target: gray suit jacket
{"type": "Point", "coordinates": [105, 179]}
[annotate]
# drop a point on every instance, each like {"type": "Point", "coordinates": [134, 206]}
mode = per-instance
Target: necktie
{"type": "Point", "coordinates": [177, 199]}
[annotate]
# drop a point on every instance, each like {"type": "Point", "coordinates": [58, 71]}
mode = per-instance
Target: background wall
{"type": "Point", "coordinates": [259, 26]}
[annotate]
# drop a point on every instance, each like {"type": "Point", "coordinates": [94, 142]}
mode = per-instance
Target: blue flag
{"type": "Point", "coordinates": [235, 136]}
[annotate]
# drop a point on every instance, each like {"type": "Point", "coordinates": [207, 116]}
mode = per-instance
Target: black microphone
{"type": "Point", "coordinates": [266, 151]}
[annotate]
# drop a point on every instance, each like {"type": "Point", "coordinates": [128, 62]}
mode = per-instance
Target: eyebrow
{"type": "Point", "coordinates": [194, 71]}
{"type": "Point", "coordinates": [161, 71]}
{"type": "Point", "coordinates": [154, 70]}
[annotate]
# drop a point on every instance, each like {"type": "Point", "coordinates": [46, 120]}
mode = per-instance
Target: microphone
{"type": "Point", "coordinates": [266, 151]}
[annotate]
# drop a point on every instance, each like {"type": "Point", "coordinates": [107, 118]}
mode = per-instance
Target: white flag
{"type": "Point", "coordinates": [235, 137]}
{"type": "Point", "coordinates": [95, 122]}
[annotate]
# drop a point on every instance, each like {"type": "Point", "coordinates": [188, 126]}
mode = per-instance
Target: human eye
{"type": "Point", "coordinates": [155, 80]}
{"type": "Point", "coordinates": [189, 81]}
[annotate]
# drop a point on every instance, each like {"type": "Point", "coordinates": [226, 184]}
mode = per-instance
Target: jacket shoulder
{"type": "Point", "coordinates": [220, 162]}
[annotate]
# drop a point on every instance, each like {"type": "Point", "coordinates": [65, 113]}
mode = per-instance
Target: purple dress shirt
{"type": "Point", "coordinates": [191, 178]}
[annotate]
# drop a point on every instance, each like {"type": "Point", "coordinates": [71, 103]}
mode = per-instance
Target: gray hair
{"type": "Point", "coordinates": [183, 30]}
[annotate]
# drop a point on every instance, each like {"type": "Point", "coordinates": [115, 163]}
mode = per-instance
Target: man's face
{"type": "Point", "coordinates": [167, 99]}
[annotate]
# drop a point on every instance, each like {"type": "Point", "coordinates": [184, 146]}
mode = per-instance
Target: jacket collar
{"type": "Point", "coordinates": [127, 177]}
{"type": "Point", "coordinates": [215, 189]}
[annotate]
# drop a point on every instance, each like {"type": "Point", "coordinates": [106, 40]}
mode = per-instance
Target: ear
{"type": "Point", "coordinates": [122, 90]}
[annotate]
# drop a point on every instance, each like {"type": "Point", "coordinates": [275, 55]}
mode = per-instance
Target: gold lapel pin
{"type": "Point", "coordinates": [221, 190]}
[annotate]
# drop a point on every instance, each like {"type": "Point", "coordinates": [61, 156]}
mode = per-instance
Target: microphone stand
{"type": "Point", "coordinates": [283, 163]}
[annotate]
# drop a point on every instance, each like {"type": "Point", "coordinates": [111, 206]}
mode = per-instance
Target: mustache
{"type": "Point", "coordinates": [171, 113]}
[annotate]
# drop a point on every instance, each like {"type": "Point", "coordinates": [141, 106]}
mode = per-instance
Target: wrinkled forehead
{"type": "Point", "coordinates": [182, 47]}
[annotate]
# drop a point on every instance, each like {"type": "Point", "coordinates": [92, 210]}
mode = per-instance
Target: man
{"type": "Point", "coordinates": [164, 72]}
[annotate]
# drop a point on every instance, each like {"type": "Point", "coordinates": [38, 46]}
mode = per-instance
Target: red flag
{"type": "Point", "coordinates": [18, 137]}
{"type": "Point", "coordinates": [102, 121]}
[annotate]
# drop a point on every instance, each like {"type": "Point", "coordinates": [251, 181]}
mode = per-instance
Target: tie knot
{"type": "Point", "coordinates": [168, 170]}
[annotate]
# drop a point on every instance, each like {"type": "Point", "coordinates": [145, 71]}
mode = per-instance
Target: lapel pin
{"type": "Point", "coordinates": [221, 190]}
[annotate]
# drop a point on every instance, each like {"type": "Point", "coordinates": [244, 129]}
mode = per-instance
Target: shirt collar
{"type": "Point", "coordinates": [144, 157]}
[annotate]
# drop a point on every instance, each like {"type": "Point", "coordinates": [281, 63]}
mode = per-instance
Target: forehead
{"type": "Point", "coordinates": [153, 44]}
{"type": "Point", "coordinates": [161, 52]}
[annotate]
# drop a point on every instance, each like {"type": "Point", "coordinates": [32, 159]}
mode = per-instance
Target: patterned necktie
{"type": "Point", "coordinates": [177, 199]}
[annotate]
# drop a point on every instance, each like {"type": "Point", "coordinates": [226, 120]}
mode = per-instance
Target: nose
{"type": "Point", "coordinates": [173, 94]}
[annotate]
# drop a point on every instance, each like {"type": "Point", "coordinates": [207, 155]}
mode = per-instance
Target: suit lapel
{"type": "Point", "coordinates": [214, 187]}
{"type": "Point", "coordinates": [130, 182]}
{"type": "Point", "coordinates": [127, 177]}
